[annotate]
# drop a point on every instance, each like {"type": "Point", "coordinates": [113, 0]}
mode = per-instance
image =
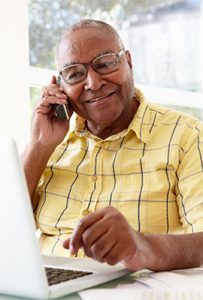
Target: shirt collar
{"type": "Point", "coordinates": [139, 124]}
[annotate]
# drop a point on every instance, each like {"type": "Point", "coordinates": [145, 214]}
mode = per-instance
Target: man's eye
{"type": "Point", "coordinates": [105, 65]}
{"type": "Point", "coordinates": [75, 75]}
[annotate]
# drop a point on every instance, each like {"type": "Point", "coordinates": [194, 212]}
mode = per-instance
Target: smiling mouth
{"type": "Point", "coordinates": [100, 98]}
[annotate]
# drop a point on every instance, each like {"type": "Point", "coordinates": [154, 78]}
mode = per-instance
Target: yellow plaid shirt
{"type": "Point", "coordinates": [152, 172]}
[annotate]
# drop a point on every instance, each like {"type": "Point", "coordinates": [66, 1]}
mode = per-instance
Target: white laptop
{"type": "Point", "coordinates": [22, 268]}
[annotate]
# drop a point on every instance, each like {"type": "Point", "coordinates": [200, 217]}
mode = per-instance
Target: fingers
{"type": "Point", "coordinates": [96, 239]}
{"type": "Point", "coordinates": [92, 240]}
{"type": "Point", "coordinates": [115, 254]}
{"type": "Point", "coordinates": [76, 240]}
{"type": "Point", "coordinates": [53, 90]}
{"type": "Point", "coordinates": [94, 234]}
{"type": "Point", "coordinates": [66, 243]}
{"type": "Point", "coordinates": [102, 246]}
{"type": "Point", "coordinates": [106, 236]}
{"type": "Point", "coordinates": [46, 101]}
{"type": "Point", "coordinates": [53, 79]}
{"type": "Point", "coordinates": [43, 109]}
{"type": "Point", "coordinates": [45, 105]}
{"type": "Point", "coordinates": [51, 94]}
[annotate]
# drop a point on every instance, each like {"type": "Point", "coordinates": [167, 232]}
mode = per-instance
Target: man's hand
{"type": "Point", "coordinates": [47, 129]}
{"type": "Point", "coordinates": [47, 132]}
{"type": "Point", "coordinates": [106, 236]}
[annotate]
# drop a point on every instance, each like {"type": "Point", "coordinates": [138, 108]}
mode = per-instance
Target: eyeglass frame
{"type": "Point", "coordinates": [90, 64]}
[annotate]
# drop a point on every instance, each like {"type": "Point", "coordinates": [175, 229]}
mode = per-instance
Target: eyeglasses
{"type": "Point", "coordinates": [103, 64]}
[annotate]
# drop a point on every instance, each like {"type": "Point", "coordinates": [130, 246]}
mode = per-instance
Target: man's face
{"type": "Point", "coordinates": [100, 99]}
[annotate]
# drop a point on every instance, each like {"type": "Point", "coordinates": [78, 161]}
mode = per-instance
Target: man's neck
{"type": "Point", "coordinates": [107, 130]}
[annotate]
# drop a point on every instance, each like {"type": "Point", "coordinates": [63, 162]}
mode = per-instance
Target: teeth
{"type": "Point", "coordinates": [94, 100]}
{"type": "Point", "coordinates": [97, 99]}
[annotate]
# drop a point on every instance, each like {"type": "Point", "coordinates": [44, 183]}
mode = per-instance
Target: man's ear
{"type": "Point", "coordinates": [129, 60]}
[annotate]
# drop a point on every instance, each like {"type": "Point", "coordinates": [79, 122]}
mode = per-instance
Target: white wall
{"type": "Point", "coordinates": [14, 71]}
{"type": "Point", "coordinates": [201, 41]}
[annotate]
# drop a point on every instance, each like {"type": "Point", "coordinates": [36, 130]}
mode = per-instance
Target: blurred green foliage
{"type": "Point", "coordinates": [48, 18]}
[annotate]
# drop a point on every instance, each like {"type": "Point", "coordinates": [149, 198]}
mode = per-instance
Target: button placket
{"type": "Point", "coordinates": [98, 178]}
{"type": "Point", "coordinates": [87, 205]}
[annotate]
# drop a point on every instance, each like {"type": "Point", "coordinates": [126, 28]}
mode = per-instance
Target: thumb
{"type": "Point", "coordinates": [53, 79]}
{"type": "Point", "coordinates": [66, 243]}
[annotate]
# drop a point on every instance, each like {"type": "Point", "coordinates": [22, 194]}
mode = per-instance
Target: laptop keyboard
{"type": "Point", "coordinates": [55, 275]}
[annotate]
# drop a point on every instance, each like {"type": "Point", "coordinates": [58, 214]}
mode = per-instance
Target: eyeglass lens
{"type": "Point", "coordinates": [103, 64]}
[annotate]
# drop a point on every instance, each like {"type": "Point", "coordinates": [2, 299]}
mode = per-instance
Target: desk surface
{"type": "Point", "coordinates": [123, 280]}
{"type": "Point", "coordinates": [179, 284]}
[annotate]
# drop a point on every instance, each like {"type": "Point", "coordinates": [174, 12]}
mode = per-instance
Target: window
{"type": "Point", "coordinates": [164, 37]}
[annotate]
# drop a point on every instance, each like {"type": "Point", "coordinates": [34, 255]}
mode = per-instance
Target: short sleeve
{"type": "Point", "coordinates": [190, 182]}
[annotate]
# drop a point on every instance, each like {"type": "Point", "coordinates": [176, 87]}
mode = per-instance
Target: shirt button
{"type": "Point", "coordinates": [94, 178]}
{"type": "Point", "coordinates": [85, 212]}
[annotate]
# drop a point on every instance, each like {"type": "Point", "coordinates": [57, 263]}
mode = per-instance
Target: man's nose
{"type": "Point", "coordinates": [93, 80]}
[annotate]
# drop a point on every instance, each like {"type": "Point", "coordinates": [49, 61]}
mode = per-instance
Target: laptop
{"type": "Point", "coordinates": [23, 270]}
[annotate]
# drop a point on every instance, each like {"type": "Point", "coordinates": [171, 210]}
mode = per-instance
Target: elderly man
{"type": "Point", "coordinates": [122, 180]}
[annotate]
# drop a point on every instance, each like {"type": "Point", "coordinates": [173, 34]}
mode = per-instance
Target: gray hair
{"type": "Point", "coordinates": [89, 23]}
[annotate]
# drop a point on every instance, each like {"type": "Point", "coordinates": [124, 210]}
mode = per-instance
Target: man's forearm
{"type": "Point", "coordinates": [169, 252]}
{"type": "Point", "coordinates": [34, 160]}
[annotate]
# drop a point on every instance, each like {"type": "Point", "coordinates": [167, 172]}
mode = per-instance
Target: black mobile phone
{"type": "Point", "coordinates": [61, 111]}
